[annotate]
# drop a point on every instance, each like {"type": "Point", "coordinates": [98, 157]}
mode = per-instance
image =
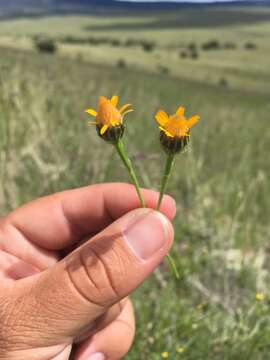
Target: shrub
{"type": "Point", "coordinates": [183, 54]}
{"type": "Point", "coordinates": [46, 45]}
{"type": "Point", "coordinates": [163, 69]}
{"type": "Point", "coordinates": [223, 82]}
{"type": "Point", "coordinates": [148, 46]}
{"type": "Point", "coordinates": [250, 46]}
{"type": "Point", "coordinates": [115, 42]}
{"type": "Point", "coordinates": [131, 42]}
{"type": "Point", "coordinates": [121, 64]}
{"type": "Point", "coordinates": [194, 55]}
{"type": "Point", "coordinates": [211, 45]}
{"type": "Point", "coordinates": [192, 46]}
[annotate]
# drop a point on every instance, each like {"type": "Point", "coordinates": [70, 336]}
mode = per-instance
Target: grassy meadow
{"type": "Point", "coordinates": [221, 184]}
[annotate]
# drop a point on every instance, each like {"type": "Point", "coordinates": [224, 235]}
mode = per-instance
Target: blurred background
{"type": "Point", "coordinates": [58, 56]}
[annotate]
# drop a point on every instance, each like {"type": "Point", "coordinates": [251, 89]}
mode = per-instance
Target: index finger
{"type": "Point", "coordinates": [60, 220]}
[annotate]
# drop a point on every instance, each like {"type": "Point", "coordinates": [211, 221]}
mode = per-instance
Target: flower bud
{"type": "Point", "coordinates": [173, 145]}
{"type": "Point", "coordinates": [113, 133]}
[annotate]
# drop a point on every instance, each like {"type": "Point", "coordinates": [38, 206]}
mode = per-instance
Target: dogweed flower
{"type": "Point", "coordinates": [260, 296]}
{"type": "Point", "coordinates": [174, 130]}
{"type": "Point", "coordinates": [180, 350]}
{"type": "Point", "coordinates": [110, 127]}
{"type": "Point", "coordinates": [109, 119]}
{"type": "Point", "coordinates": [174, 137]}
{"type": "Point", "coordinates": [165, 355]}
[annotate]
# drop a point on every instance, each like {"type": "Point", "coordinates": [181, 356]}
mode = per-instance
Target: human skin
{"type": "Point", "coordinates": [67, 265]}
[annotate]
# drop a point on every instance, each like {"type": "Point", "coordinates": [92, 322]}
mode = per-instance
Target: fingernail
{"type": "Point", "coordinates": [97, 356]}
{"type": "Point", "coordinates": [147, 233]}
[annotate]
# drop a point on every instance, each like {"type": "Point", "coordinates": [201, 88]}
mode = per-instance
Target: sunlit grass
{"type": "Point", "coordinates": [238, 68]}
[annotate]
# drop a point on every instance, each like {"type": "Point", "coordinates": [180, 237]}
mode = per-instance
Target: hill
{"type": "Point", "coordinates": [18, 8]}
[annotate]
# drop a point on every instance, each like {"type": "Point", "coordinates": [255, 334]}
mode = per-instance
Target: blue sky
{"type": "Point", "coordinates": [194, 1]}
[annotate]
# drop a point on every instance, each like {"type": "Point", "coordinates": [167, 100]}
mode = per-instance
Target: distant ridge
{"type": "Point", "coordinates": [157, 4]}
{"type": "Point", "coordinates": [15, 8]}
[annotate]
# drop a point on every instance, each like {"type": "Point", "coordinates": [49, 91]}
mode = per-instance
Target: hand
{"type": "Point", "coordinates": [67, 264]}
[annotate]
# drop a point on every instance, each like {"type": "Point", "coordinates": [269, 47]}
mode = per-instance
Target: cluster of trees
{"type": "Point", "coordinates": [49, 45]}
{"type": "Point", "coordinates": [192, 50]}
{"type": "Point", "coordinates": [144, 44]}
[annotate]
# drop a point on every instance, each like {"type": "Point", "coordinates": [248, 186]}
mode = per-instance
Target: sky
{"type": "Point", "coordinates": [193, 1]}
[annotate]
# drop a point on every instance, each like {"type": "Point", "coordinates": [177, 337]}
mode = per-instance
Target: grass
{"type": "Point", "coordinates": [221, 184]}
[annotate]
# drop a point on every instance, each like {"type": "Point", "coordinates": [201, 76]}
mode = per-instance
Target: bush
{"type": "Point", "coordinates": [147, 46]}
{"type": "Point", "coordinates": [223, 82]}
{"type": "Point", "coordinates": [131, 43]}
{"type": "Point", "coordinates": [46, 45]}
{"type": "Point", "coordinates": [250, 46]}
{"type": "Point", "coordinates": [121, 64]}
{"type": "Point", "coordinates": [183, 54]}
{"type": "Point", "coordinates": [115, 42]}
{"type": "Point", "coordinates": [211, 45]}
{"type": "Point", "coordinates": [91, 40]}
{"type": "Point", "coordinates": [194, 55]}
{"type": "Point", "coordinates": [163, 69]}
{"type": "Point", "coordinates": [192, 46]}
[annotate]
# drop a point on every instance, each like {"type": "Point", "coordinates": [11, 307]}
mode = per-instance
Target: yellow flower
{"type": "Point", "coordinates": [176, 125]}
{"type": "Point", "coordinates": [108, 115]}
{"type": "Point", "coordinates": [165, 355]}
{"type": "Point", "coordinates": [180, 350]}
{"type": "Point", "coordinates": [260, 297]}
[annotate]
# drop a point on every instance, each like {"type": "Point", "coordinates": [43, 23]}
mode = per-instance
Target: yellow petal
{"type": "Point", "coordinates": [114, 100]}
{"type": "Point", "coordinates": [127, 111]}
{"type": "Point", "coordinates": [103, 129]}
{"type": "Point", "coordinates": [124, 107]}
{"type": "Point", "coordinates": [192, 121]}
{"type": "Point", "coordinates": [92, 122]}
{"type": "Point", "coordinates": [115, 122]}
{"type": "Point", "coordinates": [161, 117]}
{"type": "Point", "coordinates": [166, 132]}
{"type": "Point", "coordinates": [91, 112]}
{"type": "Point", "coordinates": [180, 111]}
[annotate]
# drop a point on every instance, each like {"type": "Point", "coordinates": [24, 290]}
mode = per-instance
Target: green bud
{"type": "Point", "coordinates": [113, 134]}
{"type": "Point", "coordinates": [173, 145]}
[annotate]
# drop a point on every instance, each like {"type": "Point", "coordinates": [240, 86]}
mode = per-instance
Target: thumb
{"type": "Point", "coordinates": [104, 270]}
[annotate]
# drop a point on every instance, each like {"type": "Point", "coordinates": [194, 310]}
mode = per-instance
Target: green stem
{"type": "Point", "coordinates": [173, 266]}
{"type": "Point", "coordinates": [166, 176]}
{"type": "Point", "coordinates": [164, 183]}
{"type": "Point", "coordinates": [122, 153]}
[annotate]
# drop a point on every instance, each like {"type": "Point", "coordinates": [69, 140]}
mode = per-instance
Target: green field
{"type": "Point", "coordinates": [221, 184]}
{"type": "Point", "coordinates": [172, 35]}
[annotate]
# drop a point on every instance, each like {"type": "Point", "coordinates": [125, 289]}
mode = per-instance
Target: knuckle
{"type": "Point", "coordinates": [92, 277]}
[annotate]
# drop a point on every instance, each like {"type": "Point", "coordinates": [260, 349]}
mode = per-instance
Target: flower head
{"type": "Point", "coordinates": [174, 129]}
{"type": "Point", "coordinates": [180, 349]}
{"type": "Point", "coordinates": [260, 297]}
{"type": "Point", "coordinates": [165, 354]}
{"type": "Point", "coordinates": [175, 125]}
{"type": "Point", "coordinates": [108, 118]}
